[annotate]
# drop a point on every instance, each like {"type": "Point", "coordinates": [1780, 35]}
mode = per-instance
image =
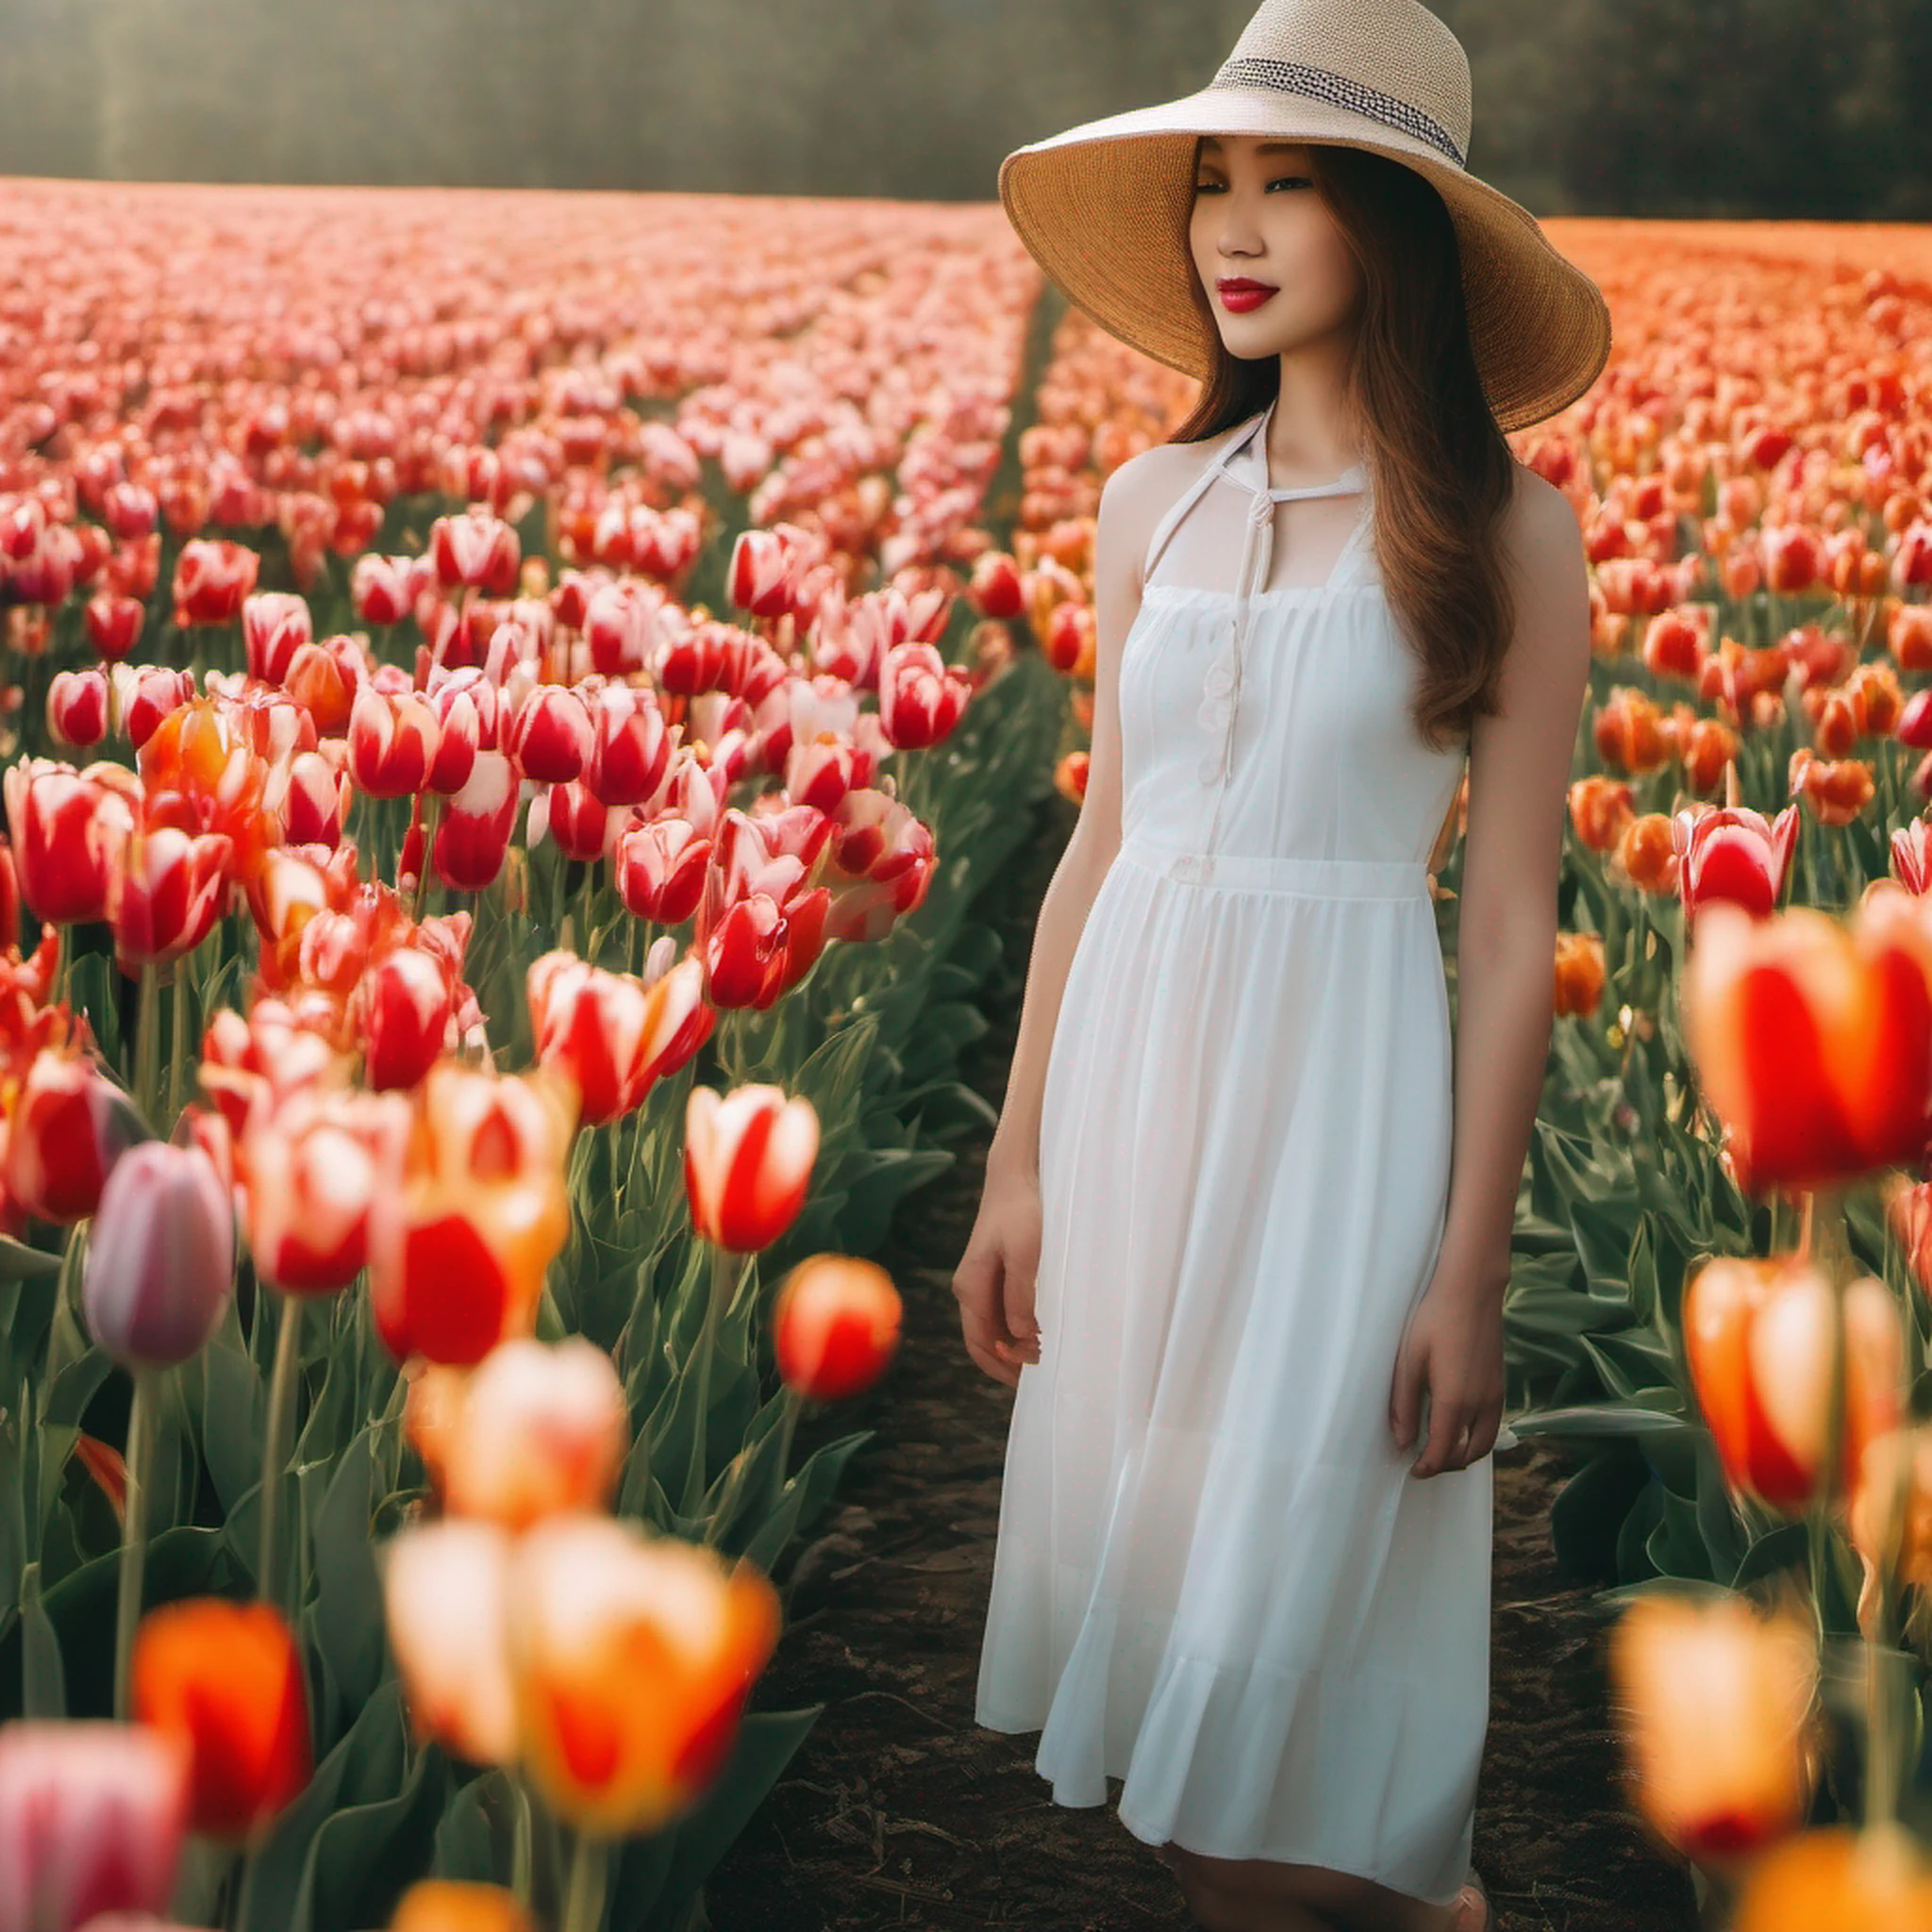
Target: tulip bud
{"type": "Point", "coordinates": [160, 1258]}
{"type": "Point", "coordinates": [77, 706]}
{"type": "Point", "coordinates": [226, 1679]}
{"type": "Point", "coordinates": [70, 1124]}
{"type": "Point", "coordinates": [835, 1325]}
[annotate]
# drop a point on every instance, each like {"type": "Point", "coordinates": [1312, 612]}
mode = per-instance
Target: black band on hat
{"type": "Point", "coordinates": [1320, 83]}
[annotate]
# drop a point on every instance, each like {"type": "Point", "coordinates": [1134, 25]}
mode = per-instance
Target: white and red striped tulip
{"type": "Point", "coordinates": [747, 1164]}
{"type": "Point", "coordinates": [77, 706]}
{"type": "Point", "coordinates": [630, 746]}
{"type": "Point", "coordinates": [112, 620]}
{"type": "Point", "coordinates": [392, 742]}
{"type": "Point", "coordinates": [405, 1004]}
{"type": "Point", "coordinates": [166, 894]}
{"type": "Point", "coordinates": [921, 696]}
{"type": "Point", "coordinates": [274, 625]}
{"type": "Point", "coordinates": [550, 738]}
{"type": "Point", "coordinates": [661, 867]}
{"type": "Point", "coordinates": [476, 548]}
{"type": "Point", "coordinates": [67, 831]}
{"type": "Point", "coordinates": [611, 1034]}
{"type": "Point", "coordinates": [382, 589]}
{"type": "Point", "coordinates": [92, 1816]}
{"type": "Point", "coordinates": [473, 837]}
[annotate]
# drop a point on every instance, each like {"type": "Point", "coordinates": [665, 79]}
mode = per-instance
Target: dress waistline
{"type": "Point", "coordinates": [1264, 872]}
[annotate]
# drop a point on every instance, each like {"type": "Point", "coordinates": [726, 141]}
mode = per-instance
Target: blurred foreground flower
{"type": "Point", "coordinates": [91, 1819]}
{"type": "Point", "coordinates": [226, 1680]}
{"type": "Point", "coordinates": [442, 1904]}
{"type": "Point", "coordinates": [835, 1325]}
{"type": "Point", "coordinates": [1838, 1879]}
{"type": "Point", "coordinates": [1715, 1702]}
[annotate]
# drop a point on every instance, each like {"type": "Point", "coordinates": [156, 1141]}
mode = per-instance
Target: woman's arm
{"type": "Point", "coordinates": [1519, 776]}
{"type": "Point", "coordinates": [1130, 504]}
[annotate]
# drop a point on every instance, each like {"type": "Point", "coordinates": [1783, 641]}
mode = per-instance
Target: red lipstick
{"type": "Point", "coordinates": [1240, 294]}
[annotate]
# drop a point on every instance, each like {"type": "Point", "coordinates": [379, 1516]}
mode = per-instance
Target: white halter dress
{"type": "Point", "coordinates": [1215, 1577]}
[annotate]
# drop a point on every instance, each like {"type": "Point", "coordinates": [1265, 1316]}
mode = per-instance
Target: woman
{"type": "Point", "coordinates": [1245, 1232]}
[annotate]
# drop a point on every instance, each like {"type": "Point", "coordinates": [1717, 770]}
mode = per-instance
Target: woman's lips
{"type": "Point", "coordinates": [1239, 295]}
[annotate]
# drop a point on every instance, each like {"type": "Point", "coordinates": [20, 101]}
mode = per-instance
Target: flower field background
{"type": "Point", "coordinates": [517, 707]}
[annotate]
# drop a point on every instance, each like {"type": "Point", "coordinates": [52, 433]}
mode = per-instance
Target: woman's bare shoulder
{"type": "Point", "coordinates": [1138, 493]}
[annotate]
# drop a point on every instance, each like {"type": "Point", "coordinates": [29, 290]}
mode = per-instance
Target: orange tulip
{"type": "Point", "coordinates": [835, 1325]}
{"type": "Point", "coordinates": [444, 1905]}
{"type": "Point", "coordinates": [1875, 1881]}
{"type": "Point", "coordinates": [1600, 808]}
{"type": "Point", "coordinates": [460, 1241]}
{"type": "Point", "coordinates": [747, 1164]}
{"type": "Point", "coordinates": [1811, 1040]}
{"type": "Point", "coordinates": [226, 1679]}
{"type": "Point", "coordinates": [632, 1656]}
{"type": "Point", "coordinates": [1579, 972]}
{"type": "Point", "coordinates": [443, 1595]}
{"type": "Point", "coordinates": [1644, 855]}
{"type": "Point", "coordinates": [1714, 1702]}
{"type": "Point", "coordinates": [1757, 1337]}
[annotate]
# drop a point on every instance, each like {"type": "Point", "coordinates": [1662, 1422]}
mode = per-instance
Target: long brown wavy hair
{"type": "Point", "coordinates": [1443, 472]}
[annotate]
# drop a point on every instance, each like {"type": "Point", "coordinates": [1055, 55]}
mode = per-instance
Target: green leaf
{"type": "Point", "coordinates": [44, 1681]}
{"type": "Point", "coordinates": [348, 1595]}
{"type": "Point", "coordinates": [804, 1496]}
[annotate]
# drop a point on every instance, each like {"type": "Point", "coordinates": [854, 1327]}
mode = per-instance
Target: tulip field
{"type": "Point", "coordinates": [508, 703]}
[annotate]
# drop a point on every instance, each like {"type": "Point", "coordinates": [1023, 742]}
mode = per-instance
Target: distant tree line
{"type": "Point", "coordinates": [1739, 108]}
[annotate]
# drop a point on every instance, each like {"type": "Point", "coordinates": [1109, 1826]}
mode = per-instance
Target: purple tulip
{"type": "Point", "coordinates": [92, 1817]}
{"type": "Point", "coordinates": [160, 1258]}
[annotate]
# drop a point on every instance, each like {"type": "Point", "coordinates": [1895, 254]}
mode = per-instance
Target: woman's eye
{"type": "Point", "coordinates": [1290, 181]}
{"type": "Point", "coordinates": [1207, 186]}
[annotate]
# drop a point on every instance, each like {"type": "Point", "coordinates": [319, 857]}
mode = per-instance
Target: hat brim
{"type": "Point", "coordinates": [1103, 208]}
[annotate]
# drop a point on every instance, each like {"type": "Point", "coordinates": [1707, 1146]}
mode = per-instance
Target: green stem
{"type": "Point", "coordinates": [523, 1857]}
{"type": "Point", "coordinates": [141, 1418]}
{"type": "Point", "coordinates": [279, 1443]}
{"type": "Point", "coordinates": [177, 1070]}
{"type": "Point", "coordinates": [723, 1262]}
{"type": "Point", "coordinates": [147, 1046]}
{"type": "Point", "coordinates": [244, 1892]}
{"type": "Point", "coordinates": [1827, 1251]}
{"type": "Point", "coordinates": [583, 1910]}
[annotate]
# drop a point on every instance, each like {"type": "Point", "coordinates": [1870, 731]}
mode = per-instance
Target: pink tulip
{"type": "Point", "coordinates": [161, 1260]}
{"type": "Point", "coordinates": [91, 1819]}
{"type": "Point", "coordinates": [1731, 852]}
{"type": "Point", "coordinates": [274, 624]}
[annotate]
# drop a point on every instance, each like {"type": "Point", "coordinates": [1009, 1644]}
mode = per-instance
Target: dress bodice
{"type": "Point", "coordinates": [1273, 725]}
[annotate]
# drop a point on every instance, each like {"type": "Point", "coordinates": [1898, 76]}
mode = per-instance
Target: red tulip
{"type": "Point", "coordinates": [226, 1679]}
{"type": "Point", "coordinates": [550, 738]}
{"type": "Point", "coordinates": [996, 589]}
{"type": "Point", "coordinates": [475, 548]}
{"type": "Point", "coordinates": [762, 570]}
{"type": "Point", "coordinates": [380, 588]}
{"type": "Point", "coordinates": [660, 866]}
{"type": "Point", "coordinates": [68, 1127]}
{"type": "Point", "coordinates": [406, 1001]}
{"type": "Point", "coordinates": [1813, 1039]}
{"type": "Point", "coordinates": [113, 620]}
{"type": "Point", "coordinates": [747, 1164]}
{"type": "Point", "coordinates": [630, 747]}
{"type": "Point", "coordinates": [311, 1163]}
{"type": "Point", "coordinates": [609, 1032]}
{"type": "Point", "coordinates": [834, 1326]}
{"type": "Point", "coordinates": [92, 1820]}
{"type": "Point", "coordinates": [1733, 853]}
{"type": "Point", "coordinates": [462, 1231]}
{"type": "Point", "coordinates": [1758, 1338]}
{"type": "Point", "coordinates": [212, 576]}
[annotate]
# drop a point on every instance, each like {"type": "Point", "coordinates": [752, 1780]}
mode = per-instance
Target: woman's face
{"type": "Point", "coordinates": [1271, 259]}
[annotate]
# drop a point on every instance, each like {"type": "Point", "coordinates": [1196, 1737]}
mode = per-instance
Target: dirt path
{"type": "Point", "coordinates": [898, 1810]}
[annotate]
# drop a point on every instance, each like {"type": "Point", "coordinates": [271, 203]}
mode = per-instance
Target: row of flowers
{"type": "Point", "coordinates": [467, 789]}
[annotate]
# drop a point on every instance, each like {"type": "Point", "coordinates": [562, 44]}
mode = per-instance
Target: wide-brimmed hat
{"type": "Point", "coordinates": [1104, 207]}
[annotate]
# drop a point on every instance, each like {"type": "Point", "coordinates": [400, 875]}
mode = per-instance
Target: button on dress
{"type": "Point", "coordinates": [1215, 1578]}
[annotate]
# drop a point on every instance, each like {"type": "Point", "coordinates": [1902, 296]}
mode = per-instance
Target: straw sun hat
{"type": "Point", "coordinates": [1105, 207]}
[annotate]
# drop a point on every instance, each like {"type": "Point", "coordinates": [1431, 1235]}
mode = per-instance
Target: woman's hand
{"type": "Point", "coordinates": [994, 1282]}
{"type": "Point", "coordinates": [1453, 1348]}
